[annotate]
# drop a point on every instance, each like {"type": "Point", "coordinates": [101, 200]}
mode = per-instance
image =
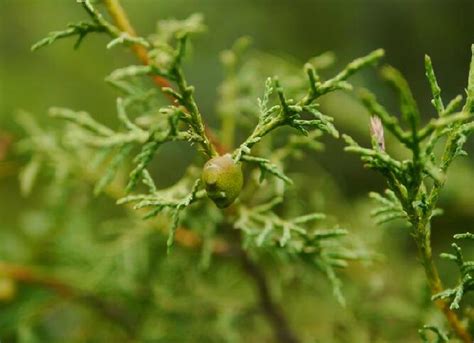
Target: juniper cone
{"type": "Point", "coordinates": [223, 180]}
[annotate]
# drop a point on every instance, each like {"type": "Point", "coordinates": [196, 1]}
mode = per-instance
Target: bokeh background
{"type": "Point", "coordinates": [382, 297]}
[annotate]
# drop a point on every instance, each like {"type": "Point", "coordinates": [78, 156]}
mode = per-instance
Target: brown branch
{"type": "Point", "coordinates": [436, 287]}
{"type": "Point", "coordinates": [110, 311]}
{"type": "Point", "coordinates": [121, 20]}
{"type": "Point", "coordinates": [453, 319]}
{"type": "Point", "coordinates": [274, 314]}
{"type": "Point", "coordinates": [188, 239]}
{"type": "Point", "coordinates": [5, 144]}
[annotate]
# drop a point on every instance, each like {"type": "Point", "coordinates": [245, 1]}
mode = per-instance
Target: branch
{"type": "Point", "coordinates": [120, 18]}
{"type": "Point", "coordinates": [108, 310]}
{"type": "Point", "coordinates": [275, 316]}
{"type": "Point", "coordinates": [410, 196]}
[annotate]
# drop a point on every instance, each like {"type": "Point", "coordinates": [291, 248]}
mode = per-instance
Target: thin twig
{"type": "Point", "coordinates": [436, 286]}
{"type": "Point", "coordinates": [274, 314]}
{"type": "Point", "coordinates": [111, 311]}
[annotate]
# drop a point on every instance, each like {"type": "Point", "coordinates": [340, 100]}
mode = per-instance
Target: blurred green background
{"type": "Point", "coordinates": [293, 29]}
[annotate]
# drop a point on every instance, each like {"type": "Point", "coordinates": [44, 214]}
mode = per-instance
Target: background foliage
{"type": "Point", "coordinates": [387, 301]}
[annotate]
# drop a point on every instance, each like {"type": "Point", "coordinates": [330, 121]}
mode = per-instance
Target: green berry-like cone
{"type": "Point", "coordinates": [223, 179]}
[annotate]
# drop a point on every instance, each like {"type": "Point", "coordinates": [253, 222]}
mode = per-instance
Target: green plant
{"type": "Point", "coordinates": [441, 337]}
{"type": "Point", "coordinates": [182, 121]}
{"type": "Point", "coordinates": [235, 208]}
{"type": "Point", "coordinates": [465, 268]}
{"type": "Point", "coordinates": [252, 225]}
{"type": "Point", "coordinates": [414, 184]}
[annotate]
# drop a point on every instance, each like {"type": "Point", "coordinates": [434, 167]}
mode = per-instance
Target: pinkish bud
{"type": "Point", "coordinates": [376, 130]}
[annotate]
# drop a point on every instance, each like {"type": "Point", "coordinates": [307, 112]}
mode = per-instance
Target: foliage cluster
{"type": "Point", "coordinates": [258, 224]}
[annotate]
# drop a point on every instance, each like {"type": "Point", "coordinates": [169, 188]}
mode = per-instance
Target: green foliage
{"type": "Point", "coordinates": [182, 121]}
{"type": "Point", "coordinates": [264, 214]}
{"type": "Point", "coordinates": [289, 112]}
{"type": "Point", "coordinates": [414, 184]}
{"type": "Point", "coordinates": [82, 29]}
{"type": "Point", "coordinates": [167, 199]}
{"type": "Point", "coordinates": [441, 337]}
{"type": "Point", "coordinates": [466, 278]}
{"type": "Point", "coordinates": [318, 247]}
